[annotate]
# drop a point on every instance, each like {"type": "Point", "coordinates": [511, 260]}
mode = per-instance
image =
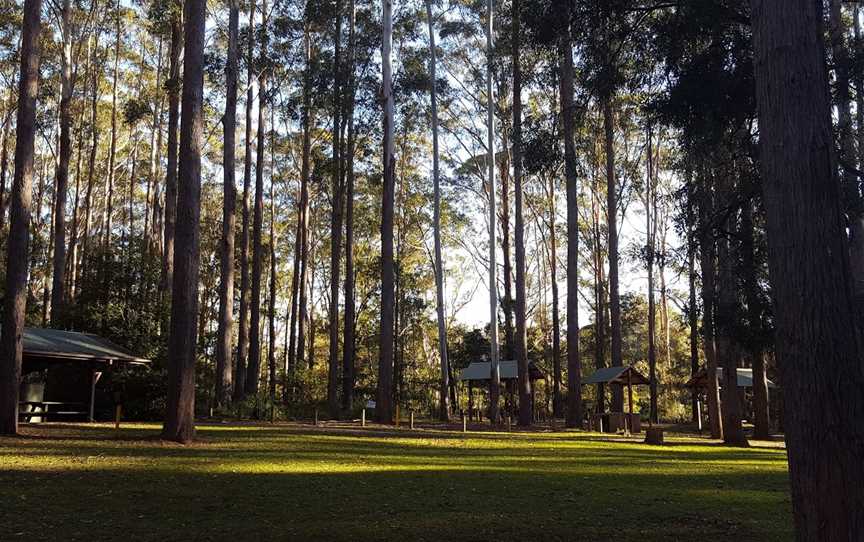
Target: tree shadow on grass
{"type": "Point", "coordinates": [172, 503]}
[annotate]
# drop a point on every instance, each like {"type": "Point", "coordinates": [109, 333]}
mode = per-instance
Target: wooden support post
{"type": "Point", "coordinates": [471, 399]}
{"type": "Point", "coordinates": [94, 378]}
{"type": "Point", "coordinates": [363, 417]}
{"type": "Point", "coordinates": [628, 421]}
{"type": "Point", "coordinates": [699, 414]}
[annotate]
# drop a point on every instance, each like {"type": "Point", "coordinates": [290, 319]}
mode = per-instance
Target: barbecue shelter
{"type": "Point", "coordinates": [699, 383]}
{"type": "Point", "coordinates": [745, 379]}
{"type": "Point", "coordinates": [617, 376]}
{"type": "Point", "coordinates": [60, 371]}
{"type": "Point", "coordinates": [479, 373]}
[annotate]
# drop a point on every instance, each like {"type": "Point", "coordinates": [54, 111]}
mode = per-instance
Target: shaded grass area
{"type": "Point", "coordinates": [295, 482]}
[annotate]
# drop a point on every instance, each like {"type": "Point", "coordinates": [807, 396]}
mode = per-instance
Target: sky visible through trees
{"type": "Point", "coordinates": [255, 195]}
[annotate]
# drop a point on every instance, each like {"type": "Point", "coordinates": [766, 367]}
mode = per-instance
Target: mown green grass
{"type": "Point", "coordinates": [295, 482]}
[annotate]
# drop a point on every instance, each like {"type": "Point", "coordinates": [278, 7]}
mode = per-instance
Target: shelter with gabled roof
{"type": "Point", "coordinates": [65, 366]}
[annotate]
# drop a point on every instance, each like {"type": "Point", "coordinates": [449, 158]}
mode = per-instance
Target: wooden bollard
{"type": "Point", "coordinates": [363, 418]}
{"type": "Point", "coordinates": [412, 420]}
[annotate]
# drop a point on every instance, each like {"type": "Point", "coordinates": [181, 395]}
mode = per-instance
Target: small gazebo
{"type": "Point", "coordinates": [478, 373]}
{"type": "Point", "coordinates": [618, 376]}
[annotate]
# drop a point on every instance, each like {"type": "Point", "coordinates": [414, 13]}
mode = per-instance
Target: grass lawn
{"type": "Point", "coordinates": [297, 482]}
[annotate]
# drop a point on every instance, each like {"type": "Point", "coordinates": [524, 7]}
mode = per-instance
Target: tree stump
{"type": "Point", "coordinates": [654, 435]}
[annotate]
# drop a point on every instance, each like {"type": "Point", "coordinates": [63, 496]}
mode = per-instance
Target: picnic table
{"type": "Point", "coordinates": [61, 408]}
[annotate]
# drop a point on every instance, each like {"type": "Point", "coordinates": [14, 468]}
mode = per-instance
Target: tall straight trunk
{"type": "Point", "coordinates": [15, 299]}
{"type": "Point", "coordinates": [179, 422]}
{"type": "Point", "coordinates": [761, 418]}
{"type": "Point", "coordinates": [692, 307]}
{"type": "Point", "coordinates": [4, 169]}
{"type": "Point", "coordinates": [336, 222]}
{"type": "Point", "coordinates": [291, 339]}
{"type": "Point", "coordinates": [574, 362]}
{"type": "Point", "coordinates": [507, 266]}
{"type": "Point", "coordinates": [224, 376]}
{"type": "Point", "coordinates": [557, 400]}
{"type": "Point", "coordinates": [708, 264]}
{"type": "Point", "coordinates": [306, 121]}
{"type": "Point", "coordinates": [58, 277]}
{"type": "Point", "coordinates": [253, 370]}
{"type": "Point", "coordinates": [612, 225]}
{"type": "Point", "coordinates": [819, 345]}
{"type": "Point", "coordinates": [495, 376]}
{"type": "Point", "coordinates": [350, 312]}
{"type": "Point", "coordinates": [384, 401]}
{"type": "Point", "coordinates": [728, 347]}
{"type": "Point", "coordinates": [173, 83]}
{"type": "Point", "coordinates": [271, 306]}
{"type": "Point", "coordinates": [858, 77]}
{"type": "Point", "coordinates": [91, 162]}
{"type": "Point", "coordinates": [526, 408]}
{"type": "Point", "coordinates": [108, 210]}
{"type": "Point", "coordinates": [599, 293]}
{"type": "Point", "coordinates": [72, 263]}
{"type": "Point", "coordinates": [240, 372]}
{"type": "Point", "coordinates": [849, 182]}
{"type": "Point", "coordinates": [444, 383]}
{"type": "Point", "coordinates": [155, 143]}
{"type": "Point", "coordinates": [651, 232]}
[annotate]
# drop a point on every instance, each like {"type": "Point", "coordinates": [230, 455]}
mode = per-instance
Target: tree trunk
{"type": "Point", "coordinates": [557, 401]}
{"type": "Point", "coordinates": [108, 210]}
{"type": "Point", "coordinates": [612, 223]}
{"type": "Point", "coordinates": [226, 285]}
{"type": "Point", "coordinates": [761, 418]}
{"type": "Point", "coordinates": [4, 168]}
{"type": "Point", "coordinates": [819, 345]}
{"type": "Point", "coordinates": [443, 392]}
{"type": "Point", "coordinates": [708, 264]}
{"type": "Point", "coordinates": [384, 402]}
{"type": "Point", "coordinates": [728, 347]}
{"type": "Point", "coordinates": [91, 163]}
{"type": "Point", "coordinates": [693, 309]}
{"type": "Point", "coordinates": [599, 282]}
{"type": "Point", "coordinates": [155, 144]}
{"type": "Point", "coordinates": [240, 371]}
{"type": "Point", "coordinates": [335, 222]}
{"type": "Point", "coordinates": [253, 370]}
{"type": "Point", "coordinates": [306, 121]}
{"type": "Point", "coordinates": [173, 84]}
{"type": "Point", "coordinates": [574, 362]}
{"type": "Point", "coordinates": [271, 308]}
{"type": "Point", "coordinates": [507, 266]}
{"type": "Point", "coordinates": [495, 376]}
{"type": "Point", "coordinates": [180, 416]}
{"type": "Point", "coordinates": [58, 278]}
{"type": "Point", "coordinates": [651, 229]}
{"type": "Point", "coordinates": [761, 413]}
{"type": "Point", "coordinates": [15, 299]}
{"type": "Point", "coordinates": [526, 408]}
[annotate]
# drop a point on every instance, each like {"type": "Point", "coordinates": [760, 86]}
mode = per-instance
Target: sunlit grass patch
{"type": "Point", "coordinates": [262, 482]}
